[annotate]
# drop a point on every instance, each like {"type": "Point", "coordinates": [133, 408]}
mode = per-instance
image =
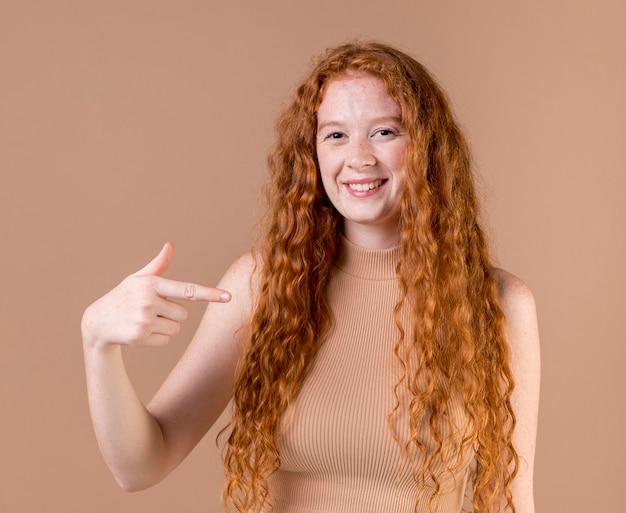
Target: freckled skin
{"type": "Point", "coordinates": [360, 140]}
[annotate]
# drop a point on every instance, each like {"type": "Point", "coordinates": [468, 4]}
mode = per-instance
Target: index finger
{"type": "Point", "coordinates": [190, 291]}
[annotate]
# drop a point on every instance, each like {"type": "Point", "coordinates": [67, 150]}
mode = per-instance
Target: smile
{"type": "Point", "coordinates": [362, 187]}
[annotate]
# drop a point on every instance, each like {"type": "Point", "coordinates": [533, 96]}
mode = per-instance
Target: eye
{"type": "Point", "coordinates": [385, 132]}
{"type": "Point", "coordinates": [334, 135]}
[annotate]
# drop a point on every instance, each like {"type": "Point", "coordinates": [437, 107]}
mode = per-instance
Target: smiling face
{"type": "Point", "coordinates": [360, 149]}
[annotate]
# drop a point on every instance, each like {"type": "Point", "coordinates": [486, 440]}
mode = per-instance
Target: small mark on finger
{"type": "Point", "coordinates": [190, 291]}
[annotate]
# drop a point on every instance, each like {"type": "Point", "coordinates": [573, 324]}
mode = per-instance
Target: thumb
{"type": "Point", "coordinates": [159, 264]}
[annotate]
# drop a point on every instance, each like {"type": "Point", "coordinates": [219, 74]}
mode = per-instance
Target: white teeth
{"type": "Point", "coordinates": [362, 187]}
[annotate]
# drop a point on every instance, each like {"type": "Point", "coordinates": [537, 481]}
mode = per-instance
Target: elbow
{"type": "Point", "coordinates": [128, 485]}
{"type": "Point", "coordinates": [137, 467]}
{"type": "Point", "coordinates": [136, 482]}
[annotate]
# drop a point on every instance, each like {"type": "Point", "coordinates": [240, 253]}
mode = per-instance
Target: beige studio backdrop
{"type": "Point", "coordinates": [125, 124]}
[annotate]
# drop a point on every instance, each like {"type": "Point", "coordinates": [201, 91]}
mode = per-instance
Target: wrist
{"type": "Point", "coordinates": [91, 335]}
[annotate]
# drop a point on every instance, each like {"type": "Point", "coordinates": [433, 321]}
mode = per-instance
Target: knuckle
{"type": "Point", "coordinates": [150, 282]}
{"type": "Point", "coordinates": [190, 291]}
{"type": "Point", "coordinates": [145, 302]}
{"type": "Point", "coordinates": [145, 311]}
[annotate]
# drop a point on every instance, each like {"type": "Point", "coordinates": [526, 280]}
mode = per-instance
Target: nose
{"type": "Point", "coordinates": [360, 155]}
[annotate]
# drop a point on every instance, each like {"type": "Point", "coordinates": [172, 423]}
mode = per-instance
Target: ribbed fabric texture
{"type": "Point", "coordinates": [337, 452]}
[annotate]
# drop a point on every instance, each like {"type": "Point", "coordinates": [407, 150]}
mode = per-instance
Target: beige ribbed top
{"type": "Point", "coordinates": [337, 453]}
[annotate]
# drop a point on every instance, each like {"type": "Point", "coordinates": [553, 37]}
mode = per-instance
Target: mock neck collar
{"type": "Point", "coordinates": [373, 264]}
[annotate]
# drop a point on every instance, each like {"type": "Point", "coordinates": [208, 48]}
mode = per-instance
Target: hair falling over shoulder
{"type": "Point", "coordinates": [456, 344]}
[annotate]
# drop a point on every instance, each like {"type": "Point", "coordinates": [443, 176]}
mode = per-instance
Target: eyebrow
{"type": "Point", "coordinates": [382, 119]}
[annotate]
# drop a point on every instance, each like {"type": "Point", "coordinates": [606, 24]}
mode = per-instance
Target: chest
{"type": "Point", "coordinates": [338, 423]}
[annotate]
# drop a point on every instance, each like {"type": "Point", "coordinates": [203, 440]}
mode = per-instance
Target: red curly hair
{"type": "Point", "coordinates": [456, 343]}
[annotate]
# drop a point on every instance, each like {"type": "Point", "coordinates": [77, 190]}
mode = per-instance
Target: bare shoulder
{"type": "Point", "coordinates": [240, 279]}
{"type": "Point", "coordinates": [518, 305]}
{"type": "Point", "coordinates": [513, 293]}
{"type": "Point", "coordinates": [241, 270]}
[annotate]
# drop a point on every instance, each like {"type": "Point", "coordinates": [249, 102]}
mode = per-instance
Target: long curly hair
{"type": "Point", "coordinates": [455, 345]}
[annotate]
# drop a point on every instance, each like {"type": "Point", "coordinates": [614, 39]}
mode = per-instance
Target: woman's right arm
{"type": "Point", "coordinates": [140, 444]}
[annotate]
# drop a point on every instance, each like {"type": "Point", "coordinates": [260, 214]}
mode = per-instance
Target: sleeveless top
{"type": "Point", "coordinates": [337, 452]}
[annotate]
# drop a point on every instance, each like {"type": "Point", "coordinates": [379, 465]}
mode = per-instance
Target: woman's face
{"type": "Point", "coordinates": [360, 150]}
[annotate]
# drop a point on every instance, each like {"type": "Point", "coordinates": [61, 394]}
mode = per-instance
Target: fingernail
{"type": "Point", "coordinates": [225, 296]}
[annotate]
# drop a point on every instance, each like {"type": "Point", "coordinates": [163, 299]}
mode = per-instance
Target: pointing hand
{"type": "Point", "coordinates": [140, 310]}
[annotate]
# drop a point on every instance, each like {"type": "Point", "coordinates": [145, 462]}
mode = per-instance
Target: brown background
{"type": "Point", "coordinates": [124, 124]}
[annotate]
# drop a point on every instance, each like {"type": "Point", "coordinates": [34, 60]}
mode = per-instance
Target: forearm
{"type": "Point", "coordinates": [142, 445]}
{"type": "Point", "coordinates": [130, 439]}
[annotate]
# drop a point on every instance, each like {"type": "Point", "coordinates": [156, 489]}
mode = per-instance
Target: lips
{"type": "Point", "coordinates": [364, 187]}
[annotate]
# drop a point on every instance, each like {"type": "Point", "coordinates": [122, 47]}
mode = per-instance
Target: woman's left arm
{"type": "Point", "coordinates": [518, 304]}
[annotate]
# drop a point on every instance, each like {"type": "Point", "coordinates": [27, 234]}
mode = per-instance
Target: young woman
{"type": "Point", "coordinates": [376, 360]}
